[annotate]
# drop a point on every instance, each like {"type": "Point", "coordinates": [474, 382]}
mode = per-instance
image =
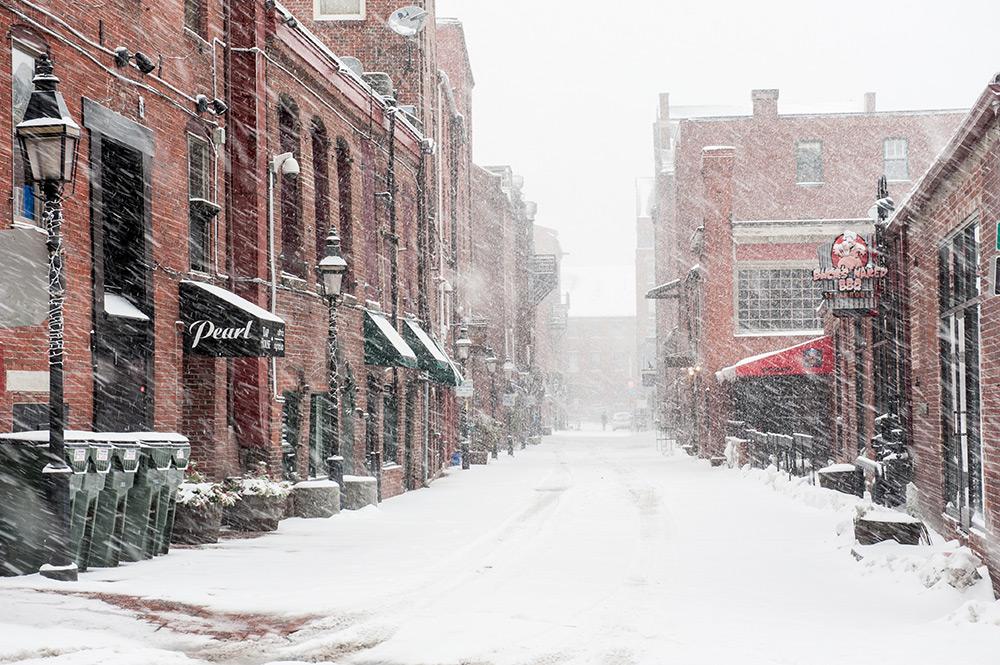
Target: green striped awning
{"type": "Point", "coordinates": [384, 346]}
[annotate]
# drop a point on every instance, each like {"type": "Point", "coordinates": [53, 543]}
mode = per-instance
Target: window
{"type": "Point", "coordinates": [26, 206]}
{"type": "Point", "coordinates": [958, 295]}
{"type": "Point", "coordinates": [321, 185]}
{"type": "Point", "coordinates": [344, 203]}
{"type": "Point", "coordinates": [292, 237]}
{"type": "Point", "coordinates": [199, 196]}
{"type": "Point", "coordinates": [809, 161]}
{"type": "Point", "coordinates": [777, 299]}
{"type": "Point", "coordinates": [333, 10]}
{"type": "Point", "coordinates": [194, 16]}
{"type": "Point", "coordinates": [29, 417]}
{"type": "Point", "coordinates": [895, 163]}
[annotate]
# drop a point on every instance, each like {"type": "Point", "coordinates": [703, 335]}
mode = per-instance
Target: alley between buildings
{"type": "Point", "coordinates": [589, 548]}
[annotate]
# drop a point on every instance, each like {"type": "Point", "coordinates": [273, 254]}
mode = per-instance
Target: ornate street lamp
{"type": "Point", "coordinates": [491, 361]}
{"type": "Point", "coordinates": [508, 370]}
{"type": "Point", "coordinates": [332, 269]}
{"type": "Point", "coordinates": [463, 345]}
{"type": "Point", "coordinates": [48, 138]}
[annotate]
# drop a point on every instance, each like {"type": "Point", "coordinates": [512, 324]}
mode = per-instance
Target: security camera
{"type": "Point", "coordinates": [142, 61]}
{"type": "Point", "coordinates": [201, 104]}
{"type": "Point", "coordinates": [218, 107]}
{"type": "Point", "coordinates": [290, 166]}
{"type": "Point", "coordinates": [122, 56]}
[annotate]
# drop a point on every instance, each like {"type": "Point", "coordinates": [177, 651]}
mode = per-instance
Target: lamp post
{"type": "Point", "coordinates": [332, 268]}
{"type": "Point", "coordinates": [508, 374]}
{"type": "Point", "coordinates": [48, 138]}
{"type": "Point", "coordinates": [463, 348]}
{"type": "Point", "coordinates": [491, 368]}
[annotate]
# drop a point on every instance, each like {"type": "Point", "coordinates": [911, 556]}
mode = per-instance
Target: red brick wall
{"type": "Point", "coordinates": [972, 190]}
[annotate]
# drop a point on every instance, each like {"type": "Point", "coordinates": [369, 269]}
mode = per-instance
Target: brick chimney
{"type": "Point", "coordinates": [664, 115]}
{"type": "Point", "coordinates": [765, 103]}
{"type": "Point", "coordinates": [869, 102]}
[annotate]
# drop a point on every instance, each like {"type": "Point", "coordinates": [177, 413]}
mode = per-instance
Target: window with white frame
{"type": "Point", "coordinates": [26, 204]}
{"type": "Point", "coordinates": [895, 164]}
{"type": "Point", "coordinates": [809, 161]}
{"type": "Point", "coordinates": [776, 299]}
{"type": "Point", "coordinates": [200, 222]}
{"type": "Point", "coordinates": [339, 10]}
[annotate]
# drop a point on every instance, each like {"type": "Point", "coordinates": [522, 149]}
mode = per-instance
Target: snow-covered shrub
{"type": "Point", "coordinates": [197, 492]}
{"type": "Point", "coordinates": [259, 484]}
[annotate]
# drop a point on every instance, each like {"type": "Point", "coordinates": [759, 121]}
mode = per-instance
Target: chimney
{"type": "Point", "coordinates": [869, 102]}
{"type": "Point", "coordinates": [765, 103]}
{"type": "Point", "coordinates": [664, 115]}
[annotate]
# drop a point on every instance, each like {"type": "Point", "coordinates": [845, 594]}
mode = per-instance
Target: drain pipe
{"type": "Point", "coordinates": [288, 165]}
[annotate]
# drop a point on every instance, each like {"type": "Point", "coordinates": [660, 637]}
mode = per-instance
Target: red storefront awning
{"type": "Point", "coordinates": [812, 357]}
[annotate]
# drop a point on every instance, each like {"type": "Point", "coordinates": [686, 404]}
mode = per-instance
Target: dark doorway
{"type": "Point", "coordinates": [123, 340]}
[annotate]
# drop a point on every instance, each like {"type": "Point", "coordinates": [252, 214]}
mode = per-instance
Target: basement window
{"type": "Point", "coordinates": [339, 10]}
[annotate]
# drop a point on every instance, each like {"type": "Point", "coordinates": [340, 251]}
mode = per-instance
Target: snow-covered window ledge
{"type": "Point", "coordinates": [389, 466]}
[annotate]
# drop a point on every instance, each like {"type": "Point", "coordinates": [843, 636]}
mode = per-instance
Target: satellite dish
{"type": "Point", "coordinates": [408, 21]}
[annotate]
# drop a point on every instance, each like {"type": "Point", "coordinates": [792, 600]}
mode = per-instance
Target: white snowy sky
{"type": "Point", "coordinates": [566, 92]}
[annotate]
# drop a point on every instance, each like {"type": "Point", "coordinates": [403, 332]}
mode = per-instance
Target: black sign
{"type": "Point", "coordinates": [220, 323]}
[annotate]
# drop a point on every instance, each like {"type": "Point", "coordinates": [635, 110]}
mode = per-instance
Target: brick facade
{"type": "Point", "coordinates": [729, 197]}
{"type": "Point", "coordinates": [397, 187]}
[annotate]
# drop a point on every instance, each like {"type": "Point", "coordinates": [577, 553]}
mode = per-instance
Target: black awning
{"type": "Point", "coordinates": [430, 358]}
{"type": "Point", "coordinates": [220, 323]}
{"type": "Point", "coordinates": [384, 346]}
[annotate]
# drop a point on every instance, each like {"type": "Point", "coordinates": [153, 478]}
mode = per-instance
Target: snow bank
{"type": "Point", "coordinates": [943, 564]}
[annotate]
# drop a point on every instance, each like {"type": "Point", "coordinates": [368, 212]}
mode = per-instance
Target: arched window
{"type": "Point", "coordinates": [321, 184]}
{"type": "Point", "coordinates": [344, 200]}
{"type": "Point", "coordinates": [292, 255]}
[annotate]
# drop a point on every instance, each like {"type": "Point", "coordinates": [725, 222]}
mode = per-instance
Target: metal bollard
{"type": "Point", "coordinates": [465, 455]}
{"type": "Point", "coordinates": [510, 445]}
{"type": "Point", "coordinates": [493, 452]}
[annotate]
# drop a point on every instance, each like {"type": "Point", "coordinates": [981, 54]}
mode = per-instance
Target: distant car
{"type": "Point", "coordinates": [621, 420]}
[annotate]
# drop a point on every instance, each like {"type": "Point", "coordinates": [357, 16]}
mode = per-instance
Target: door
{"type": "Point", "coordinates": [322, 427]}
{"type": "Point", "coordinates": [959, 339]}
{"type": "Point", "coordinates": [123, 337]}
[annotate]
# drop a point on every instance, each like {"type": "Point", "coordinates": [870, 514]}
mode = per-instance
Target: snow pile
{"type": "Point", "coordinates": [977, 611]}
{"type": "Point", "coordinates": [938, 565]}
{"type": "Point", "coordinates": [801, 489]}
{"type": "Point", "coordinates": [943, 564]}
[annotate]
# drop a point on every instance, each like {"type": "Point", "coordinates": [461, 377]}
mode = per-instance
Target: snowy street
{"type": "Point", "coordinates": [590, 548]}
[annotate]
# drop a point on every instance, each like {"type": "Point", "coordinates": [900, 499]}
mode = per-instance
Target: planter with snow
{"type": "Point", "coordinates": [845, 478]}
{"type": "Point", "coordinates": [882, 525]}
{"type": "Point", "coordinates": [358, 492]}
{"type": "Point", "coordinates": [315, 499]}
{"type": "Point", "coordinates": [261, 506]}
{"type": "Point", "coordinates": [198, 513]}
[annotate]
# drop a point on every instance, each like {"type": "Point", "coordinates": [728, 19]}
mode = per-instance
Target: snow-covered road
{"type": "Point", "coordinates": [591, 548]}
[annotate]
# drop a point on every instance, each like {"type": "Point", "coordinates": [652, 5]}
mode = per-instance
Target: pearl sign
{"type": "Point", "coordinates": [220, 323]}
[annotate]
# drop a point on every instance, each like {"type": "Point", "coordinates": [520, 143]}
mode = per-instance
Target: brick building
{"type": "Point", "coordinates": [601, 373]}
{"type": "Point", "coordinates": [645, 308]}
{"type": "Point", "coordinates": [551, 316]}
{"type": "Point", "coordinates": [395, 182]}
{"type": "Point", "coordinates": [920, 377]}
{"type": "Point", "coordinates": [741, 204]}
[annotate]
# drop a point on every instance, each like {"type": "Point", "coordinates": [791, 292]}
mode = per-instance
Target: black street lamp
{"type": "Point", "coordinates": [491, 368]}
{"type": "Point", "coordinates": [332, 268]}
{"type": "Point", "coordinates": [48, 138]}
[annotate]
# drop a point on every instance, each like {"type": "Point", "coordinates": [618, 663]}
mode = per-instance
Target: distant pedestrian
{"type": "Point", "coordinates": [604, 421]}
